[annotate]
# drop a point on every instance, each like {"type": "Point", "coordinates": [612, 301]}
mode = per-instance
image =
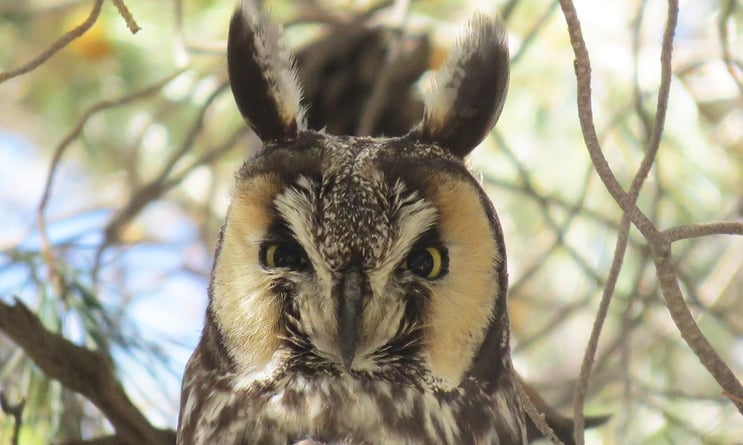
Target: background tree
{"type": "Point", "coordinates": [118, 138]}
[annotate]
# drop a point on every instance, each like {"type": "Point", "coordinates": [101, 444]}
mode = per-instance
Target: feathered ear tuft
{"type": "Point", "coordinates": [262, 76]}
{"type": "Point", "coordinates": [468, 92]}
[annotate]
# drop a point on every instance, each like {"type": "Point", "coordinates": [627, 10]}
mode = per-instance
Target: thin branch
{"type": "Point", "coordinates": [158, 186]}
{"type": "Point", "coordinates": [581, 387]}
{"type": "Point", "coordinates": [127, 16]}
{"type": "Point", "coordinates": [46, 247]}
{"type": "Point", "coordinates": [621, 246]}
{"type": "Point", "coordinates": [63, 41]}
{"type": "Point", "coordinates": [536, 417]}
{"type": "Point", "coordinates": [81, 370]}
{"type": "Point", "coordinates": [662, 104]}
{"type": "Point", "coordinates": [689, 329]}
{"type": "Point", "coordinates": [588, 129]}
{"type": "Point", "coordinates": [16, 411]}
{"type": "Point", "coordinates": [703, 229]}
{"type": "Point", "coordinates": [665, 270]}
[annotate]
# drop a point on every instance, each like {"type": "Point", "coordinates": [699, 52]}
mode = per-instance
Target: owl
{"type": "Point", "coordinates": [358, 294]}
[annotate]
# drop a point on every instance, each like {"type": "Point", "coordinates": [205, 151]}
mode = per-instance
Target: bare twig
{"type": "Point", "coordinates": [127, 16]}
{"type": "Point", "coordinates": [648, 160]}
{"type": "Point", "coordinates": [81, 370]}
{"type": "Point", "coordinates": [585, 116]}
{"type": "Point", "coordinates": [653, 144]}
{"type": "Point", "coordinates": [660, 247]}
{"type": "Point", "coordinates": [536, 416]}
{"type": "Point", "coordinates": [703, 229]}
{"type": "Point", "coordinates": [598, 323]}
{"type": "Point", "coordinates": [13, 410]}
{"type": "Point", "coordinates": [46, 247]}
{"type": "Point", "coordinates": [559, 229]}
{"type": "Point", "coordinates": [689, 329]}
{"type": "Point", "coordinates": [156, 187]}
{"type": "Point", "coordinates": [58, 45]}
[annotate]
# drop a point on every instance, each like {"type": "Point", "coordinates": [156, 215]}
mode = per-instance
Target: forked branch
{"type": "Point", "coordinates": [659, 242]}
{"type": "Point", "coordinates": [81, 370]}
{"type": "Point", "coordinates": [70, 36]}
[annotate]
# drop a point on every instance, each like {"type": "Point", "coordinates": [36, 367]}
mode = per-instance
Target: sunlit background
{"type": "Point", "coordinates": [139, 194]}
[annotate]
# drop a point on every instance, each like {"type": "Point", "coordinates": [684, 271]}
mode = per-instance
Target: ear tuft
{"type": "Point", "coordinates": [468, 92]}
{"type": "Point", "coordinates": [262, 76]}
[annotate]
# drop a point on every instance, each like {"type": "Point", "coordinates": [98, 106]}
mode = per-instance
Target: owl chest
{"type": "Point", "coordinates": [342, 410]}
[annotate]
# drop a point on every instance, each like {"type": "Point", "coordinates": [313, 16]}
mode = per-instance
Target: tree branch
{"type": "Point", "coordinates": [536, 417]}
{"type": "Point", "coordinates": [46, 247]}
{"type": "Point", "coordinates": [598, 323]}
{"type": "Point", "coordinates": [127, 16]}
{"type": "Point", "coordinates": [58, 45]}
{"type": "Point", "coordinates": [660, 246]}
{"type": "Point", "coordinates": [690, 332]}
{"type": "Point", "coordinates": [703, 229]}
{"type": "Point", "coordinates": [13, 410]}
{"type": "Point", "coordinates": [81, 370]}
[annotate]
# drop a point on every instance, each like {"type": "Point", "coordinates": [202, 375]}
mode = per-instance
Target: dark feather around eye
{"type": "Point", "coordinates": [427, 261]}
{"type": "Point", "coordinates": [287, 255]}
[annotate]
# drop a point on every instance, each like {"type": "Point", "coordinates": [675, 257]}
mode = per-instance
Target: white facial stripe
{"type": "Point", "coordinates": [296, 206]}
{"type": "Point", "coordinates": [314, 301]}
{"type": "Point", "coordinates": [414, 216]}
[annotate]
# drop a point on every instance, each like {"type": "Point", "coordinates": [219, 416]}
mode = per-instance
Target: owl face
{"type": "Point", "coordinates": [358, 260]}
{"type": "Point", "coordinates": [358, 292]}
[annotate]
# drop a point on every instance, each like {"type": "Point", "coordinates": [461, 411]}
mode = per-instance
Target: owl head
{"type": "Point", "coordinates": [365, 256]}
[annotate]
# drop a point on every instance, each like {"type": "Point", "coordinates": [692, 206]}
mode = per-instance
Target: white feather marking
{"type": "Point", "coordinates": [296, 206]}
{"type": "Point", "coordinates": [442, 91]}
{"type": "Point", "coordinates": [414, 218]}
{"type": "Point", "coordinates": [278, 64]}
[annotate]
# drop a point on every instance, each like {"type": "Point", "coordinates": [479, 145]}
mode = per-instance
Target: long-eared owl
{"type": "Point", "coordinates": [358, 294]}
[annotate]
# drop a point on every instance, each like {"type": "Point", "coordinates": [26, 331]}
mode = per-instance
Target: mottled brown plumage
{"type": "Point", "coordinates": [359, 287]}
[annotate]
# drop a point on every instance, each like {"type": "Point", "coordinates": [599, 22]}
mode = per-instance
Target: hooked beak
{"type": "Point", "coordinates": [350, 304]}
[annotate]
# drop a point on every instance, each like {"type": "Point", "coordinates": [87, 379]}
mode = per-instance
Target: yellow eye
{"type": "Point", "coordinates": [284, 255]}
{"type": "Point", "coordinates": [270, 255]}
{"type": "Point", "coordinates": [428, 262]}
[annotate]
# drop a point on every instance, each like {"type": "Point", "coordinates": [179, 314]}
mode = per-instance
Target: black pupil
{"type": "Point", "coordinates": [420, 263]}
{"type": "Point", "coordinates": [288, 256]}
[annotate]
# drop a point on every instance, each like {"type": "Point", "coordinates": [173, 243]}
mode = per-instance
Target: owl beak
{"type": "Point", "coordinates": [350, 305]}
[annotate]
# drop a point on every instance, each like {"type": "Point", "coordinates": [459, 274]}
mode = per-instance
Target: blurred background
{"type": "Point", "coordinates": [142, 138]}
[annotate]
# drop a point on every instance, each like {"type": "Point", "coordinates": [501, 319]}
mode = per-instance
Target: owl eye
{"type": "Point", "coordinates": [428, 262]}
{"type": "Point", "coordinates": [283, 255]}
